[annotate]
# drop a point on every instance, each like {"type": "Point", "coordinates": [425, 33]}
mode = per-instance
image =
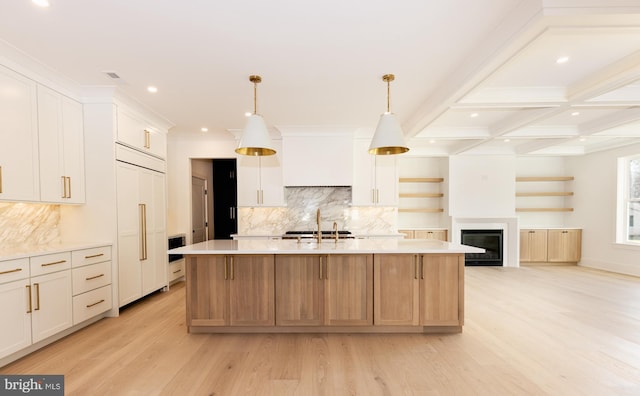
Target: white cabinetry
{"type": "Point", "coordinates": [61, 142]}
{"type": "Point", "coordinates": [260, 180]}
{"type": "Point", "coordinates": [136, 132]}
{"type": "Point", "coordinates": [142, 257]}
{"type": "Point", "coordinates": [15, 332]}
{"type": "Point", "coordinates": [36, 295]}
{"type": "Point", "coordinates": [91, 276]}
{"type": "Point", "coordinates": [375, 179]}
{"type": "Point", "coordinates": [18, 138]}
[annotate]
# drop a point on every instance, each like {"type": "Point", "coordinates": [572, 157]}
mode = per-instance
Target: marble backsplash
{"type": "Point", "coordinates": [300, 214]}
{"type": "Point", "coordinates": [28, 224]}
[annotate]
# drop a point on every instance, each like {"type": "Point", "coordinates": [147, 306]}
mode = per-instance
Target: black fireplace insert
{"type": "Point", "coordinates": [489, 240]}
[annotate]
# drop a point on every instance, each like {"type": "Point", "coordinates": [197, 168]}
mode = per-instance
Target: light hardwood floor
{"type": "Point", "coordinates": [528, 331]}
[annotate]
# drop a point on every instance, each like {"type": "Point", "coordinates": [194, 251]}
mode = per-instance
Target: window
{"type": "Point", "coordinates": [629, 200]}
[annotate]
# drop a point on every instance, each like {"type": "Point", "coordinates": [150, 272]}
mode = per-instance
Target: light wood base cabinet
{"type": "Point", "coordinates": [298, 293]}
{"type": "Point", "coordinates": [230, 290]}
{"type": "Point", "coordinates": [424, 290]}
{"type": "Point", "coordinates": [551, 246]}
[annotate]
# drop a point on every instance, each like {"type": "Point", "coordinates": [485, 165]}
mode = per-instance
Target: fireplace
{"type": "Point", "coordinates": [490, 240]}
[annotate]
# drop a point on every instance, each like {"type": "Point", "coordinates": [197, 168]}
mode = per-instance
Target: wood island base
{"type": "Point", "coordinates": [325, 293]}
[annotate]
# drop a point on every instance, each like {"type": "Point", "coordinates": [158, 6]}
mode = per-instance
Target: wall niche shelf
{"type": "Point", "coordinates": [545, 193]}
{"type": "Point", "coordinates": [421, 195]}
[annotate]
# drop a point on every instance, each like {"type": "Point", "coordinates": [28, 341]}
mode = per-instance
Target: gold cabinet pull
{"type": "Point", "coordinates": [94, 255]}
{"type": "Point", "coordinates": [30, 303]}
{"type": "Point", "coordinates": [143, 231]}
{"type": "Point", "coordinates": [95, 303]}
{"type": "Point", "coordinates": [320, 266]}
{"type": "Point", "coordinates": [421, 267]}
{"type": "Point", "coordinates": [147, 139]}
{"type": "Point", "coordinates": [53, 263]}
{"type": "Point", "coordinates": [64, 186]}
{"type": "Point", "coordinates": [11, 271]}
{"type": "Point", "coordinates": [177, 271]}
{"type": "Point", "coordinates": [233, 275]}
{"type": "Point", "coordinates": [226, 268]}
{"type": "Point", "coordinates": [37, 287]}
{"type": "Point", "coordinates": [94, 277]}
{"type": "Point", "coordinates": [326, 267]}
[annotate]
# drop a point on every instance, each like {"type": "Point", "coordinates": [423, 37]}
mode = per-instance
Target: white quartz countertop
{"type": "Point", "coordinates": [348, 246]}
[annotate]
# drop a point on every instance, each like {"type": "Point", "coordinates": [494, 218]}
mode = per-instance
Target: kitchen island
{"type": "Point", "coordinates": [351, 285]}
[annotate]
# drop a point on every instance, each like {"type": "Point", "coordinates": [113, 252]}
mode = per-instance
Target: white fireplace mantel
{"type": "Point", "coordinates": [510, 232]}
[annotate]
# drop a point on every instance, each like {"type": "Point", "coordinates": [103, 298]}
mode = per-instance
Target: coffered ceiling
{"type": "Point", "coordinates": [472, 76]}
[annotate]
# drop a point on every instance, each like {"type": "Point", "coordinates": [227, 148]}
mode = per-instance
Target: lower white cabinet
{"type": "Point", "coordinates": [38, 296]}
{"type": "Point", "coordinates": [176, 270]}
{"type": "Point", "coordinates": [91, 275]}
{"type": "Point", "coordinates": [16, 322]}
{"type": "Point", "coordinates": [50, 304]}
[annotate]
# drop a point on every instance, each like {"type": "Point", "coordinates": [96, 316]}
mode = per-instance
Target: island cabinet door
{"type": "Point", "coordinates": [349, 290]}
{"type": "Point", "coordinates": [396, 290]}
{"type": "Point", "coordinates": [251, 290]}
{"type": "Point", "coordinates": [207, 290]}
{"type": "Point", "coordinates": [441, 289]}
{"type": "Point", "coordinates": [300, 290]}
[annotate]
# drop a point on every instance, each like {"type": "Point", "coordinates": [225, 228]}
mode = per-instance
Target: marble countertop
{"type": "Point", "coordinates": [345, 246]}
{"type": "Point", "coordinates": [17, 252]}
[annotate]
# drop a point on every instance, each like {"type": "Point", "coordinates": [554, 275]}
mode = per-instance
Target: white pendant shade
{"type": "Point", "coordinates": [255, 138]}
{"type": "Point", "coordinates": [388, 138]}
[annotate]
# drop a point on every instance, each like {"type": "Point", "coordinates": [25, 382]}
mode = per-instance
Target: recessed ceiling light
{"type": "Point", "coordinates": [507, 140]}
{"type": "Point", "coordinates": [152, 89]}
{"type": "Point", "coordinates": [248, 114]}
{"type": "Point", "coordinates": [575, 113]}
{"type": "Point", "coordinates": [562, 59]}
{"type": "Point", "coordinates": [583, 139]}
{"type": "Point", "coordinates": [203, 129]}
{"type": "Point", "coordinates": [474, 115]}
{"type": "Point", "coordinates": [432, 141]}
{"type": "Point", "coordinates": [41, 3]}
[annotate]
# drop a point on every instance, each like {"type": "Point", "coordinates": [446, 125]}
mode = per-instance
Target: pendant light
{"type": "Point", "coordinates": [388, 137]}
{"type": "Point", "coordinates": [255, 140]}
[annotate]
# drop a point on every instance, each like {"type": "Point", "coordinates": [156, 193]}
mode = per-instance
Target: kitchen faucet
{"type": "Point", "coordinates": [318, 221]}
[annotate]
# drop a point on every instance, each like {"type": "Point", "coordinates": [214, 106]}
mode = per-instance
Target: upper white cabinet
{"type": "Point", "coordinates": [260, 180]}
{"type": "Point", "coordinates": [61, 142]}
{"type": "Point", "coordinates": [375, 177]}
{"type": "Point", "coordinates": [317, 159]}
{"type": "Point", "coordinates": [135, 132]}
{"type": "Point", "coordinates": [18, 138]}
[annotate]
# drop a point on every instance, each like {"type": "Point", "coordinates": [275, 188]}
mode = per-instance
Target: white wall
{"type": "Point", "coordinates": [482, 186]}
{"type": "Point", "coordinates": [595, 211]}
{"type": "Point", "coordinates": [181, 149]}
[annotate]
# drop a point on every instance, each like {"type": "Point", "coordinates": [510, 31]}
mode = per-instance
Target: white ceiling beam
{"type": "Point", "coordinates": [519, 28]}
{"type": "Point", "coordinates": [617, 75]}
{"type": "Point", "coordinates": [610, 121]}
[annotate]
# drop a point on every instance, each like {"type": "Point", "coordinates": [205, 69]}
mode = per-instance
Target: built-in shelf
{"type": "Point", "coordinates": [545, 194]}
{"type": "Point", "coordinates": [527, 179]}
{"type": "Point", "coordinates": [421, 210]}
{"type": "Point", "coordinates": [421, 194]}
{"type": "Point", "coordinates": [544, 178]}
{"type": "Point", "coordinates": [421, 180]}
{"type": "Point", "coordinates": [544, 209]}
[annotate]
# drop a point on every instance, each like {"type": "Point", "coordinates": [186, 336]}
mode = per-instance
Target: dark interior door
{"type": "Point", "coordinates": [225, 200]}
